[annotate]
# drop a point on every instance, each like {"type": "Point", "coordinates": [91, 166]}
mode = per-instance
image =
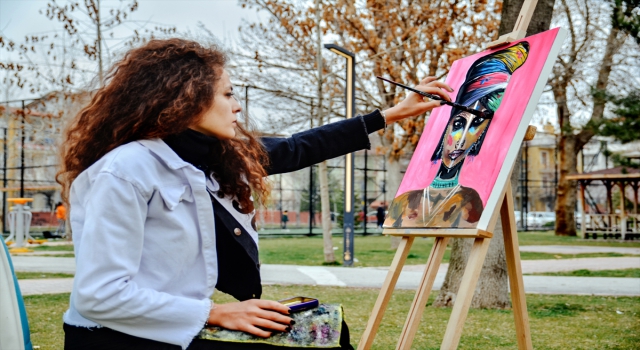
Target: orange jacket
{"type": "Point", "coordinates": [61, 212]}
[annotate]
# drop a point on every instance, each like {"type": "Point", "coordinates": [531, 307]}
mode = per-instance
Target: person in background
{"type": "Point", "coordinates": [61, 215]}
{"type": "Point", "coordinates": [285, 219]}
{"type": "Point", "coordinates": [380, 216]}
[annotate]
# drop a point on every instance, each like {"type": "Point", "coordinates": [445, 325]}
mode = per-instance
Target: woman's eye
{"type": "Point", "coordinates": [458, 124]}
{"type": "Point", "coordinates": [478, 121]}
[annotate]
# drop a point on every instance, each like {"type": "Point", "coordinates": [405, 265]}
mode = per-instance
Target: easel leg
{"type": "Point", "coordinates": [514, 269]}
{"type": "Point", "coordinates": [422, 294]}
{"type": "Point", "coordinates": [385, 293]}
{"type": "Point", "coordinates": [465, 294]}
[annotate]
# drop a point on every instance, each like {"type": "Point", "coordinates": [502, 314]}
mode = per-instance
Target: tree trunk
{"type": "Point", "coordinates": [394, 177]}
{"type": "Point", "coordinates": [99, 40]}
{"type": "Point", "coordinates": [540, 21]}
{"type": "Point", "coordinates": [492, 288]}
{"type": "Point", "coordinates": [570, 143]}
{"type": "Point", "coordinates": [566, 198]}
{"type": "Point", "coordinates": [323, 174]}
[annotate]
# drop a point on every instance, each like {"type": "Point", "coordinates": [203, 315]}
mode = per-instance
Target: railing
{"type": "Point", "coordinates": [602, 223]}
{"type": "Point", "coordinates": [612, 225]}
{"type": "Point", "coordinates": [632, 223]}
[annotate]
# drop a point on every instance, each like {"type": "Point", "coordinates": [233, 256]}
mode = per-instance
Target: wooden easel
{"type": "Point", "coordinates": [467, 286]}
{"type": "Point", "coordinates": [474, 264]}
{"type": "Point", "coordinates": [520, 28]}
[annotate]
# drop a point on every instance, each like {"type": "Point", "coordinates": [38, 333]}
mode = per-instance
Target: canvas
{"type": "Point", "coordinates": [457, 174]}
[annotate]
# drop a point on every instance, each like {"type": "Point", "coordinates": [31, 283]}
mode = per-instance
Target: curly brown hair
{"type": "Point", "coordinates": [155, 91]}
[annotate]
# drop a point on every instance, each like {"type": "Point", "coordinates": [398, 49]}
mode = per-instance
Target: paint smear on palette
{"type": "Point", "coordinates": [501, 80]}
{"type": "Point", "coordinates": [314, 329]}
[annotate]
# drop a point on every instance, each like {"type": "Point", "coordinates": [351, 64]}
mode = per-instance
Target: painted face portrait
{"type": "Point", "coordinates": [483, 90]}
{"type": "Point", "coordinates": [462, 133]}
{"type": "Point", "coordinates": [446, 202]}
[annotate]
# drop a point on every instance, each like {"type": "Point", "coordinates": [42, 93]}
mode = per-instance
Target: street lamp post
{"type": "Point", "coordinates": [348, 225]}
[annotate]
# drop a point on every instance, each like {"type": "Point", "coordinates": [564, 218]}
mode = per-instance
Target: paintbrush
{"type": "Point", "coordinates": [487, 114]}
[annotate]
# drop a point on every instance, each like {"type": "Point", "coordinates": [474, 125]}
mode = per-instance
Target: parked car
{"type": "Point", "coordinates": [537, 219]}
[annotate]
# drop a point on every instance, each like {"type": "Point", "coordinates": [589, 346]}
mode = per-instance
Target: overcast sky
{"type": "Point", "coordinates": [222, 17]}
{"type": "Point", "coordinates": [19, 18]}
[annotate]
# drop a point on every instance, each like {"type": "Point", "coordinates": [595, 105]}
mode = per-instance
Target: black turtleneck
{"type": "Point", "coordinates": [193, 147]}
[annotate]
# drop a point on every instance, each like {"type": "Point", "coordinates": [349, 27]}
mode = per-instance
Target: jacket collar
{"type": "Point", "coordinates": [194, 147]}
{"type": "Point", "coordinates": [165, 153]}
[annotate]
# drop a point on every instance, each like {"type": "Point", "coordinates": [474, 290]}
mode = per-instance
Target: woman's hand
{"type": "Point", "coordinates": [251, 316]}
{"type": "Point", "coordinates": [416, 104]}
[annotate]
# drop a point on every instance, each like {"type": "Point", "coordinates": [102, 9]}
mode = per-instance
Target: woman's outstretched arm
{"type": "Point", "coordinates": [332, 140]}
{"type": "Point", "coordinates": [325, 142]}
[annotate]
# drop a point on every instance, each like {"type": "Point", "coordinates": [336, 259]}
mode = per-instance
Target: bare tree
{"type": "Point", "coordinates": [323, 174]}
{"type": "Point", "coordinates": [598, 57]}
{"type": "Point", "coordinates": [64, 60]}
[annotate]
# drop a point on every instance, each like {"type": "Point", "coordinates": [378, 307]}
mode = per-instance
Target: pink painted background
{"type": "Point", "coordinates": [480, 172]}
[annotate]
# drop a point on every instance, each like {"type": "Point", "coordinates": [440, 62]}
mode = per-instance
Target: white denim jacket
{"type": "Point", "coordinates": [144, 232]}
{"type": "Point", "coordinates": [143, 228]}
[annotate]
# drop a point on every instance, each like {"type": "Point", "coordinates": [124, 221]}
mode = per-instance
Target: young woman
{"type": "Point", "coordinates": [160, 176]}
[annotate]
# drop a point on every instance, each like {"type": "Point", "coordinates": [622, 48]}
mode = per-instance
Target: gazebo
{"type": "Point", "coordinates": [613, 223]}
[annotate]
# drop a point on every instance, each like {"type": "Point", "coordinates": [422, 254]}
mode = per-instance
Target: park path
{"type": "Point", "coordinates": [577, 249]}
{"type": "Point", "coordinates": [560, 265]}
{"type": "Point", "coordinates": [372, 277]}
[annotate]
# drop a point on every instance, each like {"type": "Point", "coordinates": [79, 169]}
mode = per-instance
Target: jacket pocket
{"type": "Point", "coordinates": [173, 195]}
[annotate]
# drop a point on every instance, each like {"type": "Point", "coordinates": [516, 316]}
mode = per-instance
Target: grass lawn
{"type": "Point", "coordinates": [634, 273]}
{"type": "Point", "coordinates": [544, 256]}
{"type": "Point", "coordinates": [41, 275]}
{"type": "Point", "coordinates": [375, 250]}
{"type": "Point", "coordinates": [70, 255]}
{"type": "Point", "coordinates": [58, 251]}
{"type": "Point", "coordinates": [549, 238]}
{"type": "Point", "coordinates": [372, 251]}
{"type": "Point", "coordinates": [557, 322]}
{"type": "Point", "coordinates": [66, 248]}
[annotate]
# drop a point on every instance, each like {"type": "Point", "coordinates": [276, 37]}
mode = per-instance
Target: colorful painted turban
{"type": "Point", "coordinates": [488, 77]}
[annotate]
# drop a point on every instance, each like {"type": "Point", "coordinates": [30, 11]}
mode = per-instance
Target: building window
{"type": "Point", "coordinates": [544, 159]}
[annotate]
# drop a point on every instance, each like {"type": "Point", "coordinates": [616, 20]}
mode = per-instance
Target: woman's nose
{"type": "Point", "coordinates": [236, 107]}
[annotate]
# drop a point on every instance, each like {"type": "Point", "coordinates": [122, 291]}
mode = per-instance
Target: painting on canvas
{"type": "Point", "coordinates": [462, 160]}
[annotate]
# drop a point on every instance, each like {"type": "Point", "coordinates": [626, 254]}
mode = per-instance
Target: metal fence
{"type": "Point", "coordinates": [298, 193]}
